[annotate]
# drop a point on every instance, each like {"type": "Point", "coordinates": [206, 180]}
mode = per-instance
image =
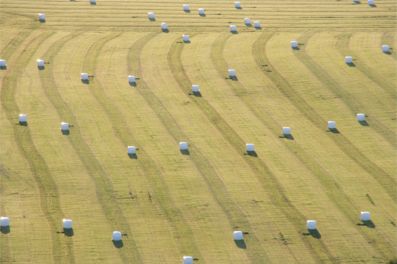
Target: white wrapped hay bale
{"type": "Point", "coordinates": [164, 26]}
{"type": "Point", "coordinates": [131, 79]}
{"type": "Point", "coordinates": [201, 11]}
{"type": "Point", "coordinates": [3, 63]}
{"type": "Point", "coordinates": [237, 5]}
{"type": "Point", "coordinates": [385, 48]}
{"type": "Point", "coordinates": [311, 224]}
{"type": "Point", "coordinates": [195, 88]}
{"type": "Point", "coordinates": [131, 150]}
{"type": "Point", "coordinates": [286, 131]}
{"type": "Point", "coordinates": [65, 127]}
{"type": "Point", "coordinates": [151, 15]}
{"type": "Point", "coordinates": [187, 260]}
{"type": "Point", "coordinates": [185, 38]}
{"type": "Point", "coordinates": [365, 216]}
{"type": "Point", "coordinates": [348, 59]}
{"type": "Point", "coordinates": [250, 147]}
{"type": "Point", "coordinates": [116, 236]}
{"type": "Point", "coordinates": [186, 7]}
{"type": "Point", "coordinates": [233, 28]}
{"type": "Point", "coordinates": [247, 21]}
{"type": "Point", "coordinates": [331, 125]}
{"type": "Point", "coordinates": [360, 117]}
{"type": "Point", "coordinates": [40, 63]}
{"type": "Point", "coordinates": [294, 44]}
{"type": "Point", "coordinates": [41, 17]}
{"type": "Point", "coordinates": [4, 221]}
{"type": "Point", "coordinates": [67, 223]}
{"type": "Point", "coordinates": [183, 146]}
{"type": "Point", "coordinates": [232, 73]}
{"type": "Point", "coordinates": [371, 2]}
{"type": "Point", "coordinates": [22, 118]}
{"type": "Point", "coordinates": [84, 76]}
{"type": "Point", "coordinates": [238, 235]}
{"type": "Point", "coordinates": [93, 2]}
{"type": "Point", "coordinates": [257, 24]}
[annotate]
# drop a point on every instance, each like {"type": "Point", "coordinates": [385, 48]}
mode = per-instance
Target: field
{"type": "Point", "coordinates": [170, 204]}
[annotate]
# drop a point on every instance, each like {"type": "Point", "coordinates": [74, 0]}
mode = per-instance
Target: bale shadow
{"type": "Point", "coordinates": [239, 7]}
{"type": "Point", "coordinates": [369, 224]}
{"type": "Point", "coordinates": [186, 41]}
{"type": "Point", "coordinates": [133, 156]}
{"type": "Point", "coordinates": [197, 94]}
{"type": "Point", "coordinates": [5, 229]}
{"type": "Point", "coordinates": [258, 28]}
{"type": "Point", "coordinates": [202, 15]}
{"type": "Point", "coordinates": [233, 78]}
{"type": "Point", "coordinates": [387, 52]}
{"type": "Point", "coordinates": [234, 32]}
{"type": "Point", "coordinates": [314, 233]}
{"type": "Point", "coordinates": [42, 21]}
{"type": "Point", "coordinates": [252, 153]}
{"type": "Point", "coordinates": [65, 132]}
{"type": "Point", "coordinates": [93, 3]}
{"type": "Point", "coordinates": [68, 232]}
{"type": "Point", "coordinates": [334, 130]}
{"type": "Point", "coordinates": [40, 68]}
{"type": "Point", "coordinates": [186, 11]}
{"type": "Point", "coordinates": [288, 136]}
{"type": "Point", "coordinates": [152, 18]}
{"type": "Point", "coordinates": [372, 5]}
{"type": "Point", "coordinates": [165, 30]}
{"type": "Point", "coordinates": [23, 123]}
{"type": "Point", "coordinates": [363, 123]}
{"type": "Point", "coordinates": [132, 84]}
{"type": "Point", "coordinates": [3, 67]}
{"type": "Point", "coordinates": [295, 48]}
{"type": "Point", "coordinates": [118, 244]}
{"type": "Point", "coordinates": [240, 244]}
{"type": "Point", "coordinates": [185, 151]}
{"type": "Point", "coordinates": [351, 64]}
{"type": "Point", "coordinates": [85, 81]}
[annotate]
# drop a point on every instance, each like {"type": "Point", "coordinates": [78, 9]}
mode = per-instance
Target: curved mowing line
{"type": "Point", "coordinates": [268, 182]}
{"type": "Point", "coordinates": [384, 179]}
{"type": "Point", "coordinates": [181, 229]}
{"type": "Point", "coordinates": [334, 87]}
{"type": "Point", "coordinates": [257, 253]}
{"type": "Point", "coordinates": [343, 45]}
{"type": "Point", "coordinates": [103, 185]}
{"type": "Point", "coordinates": [49, 198]}
{"type": "Point", "coordinates": [214, 183]}
{"type": "Point", "coordinates": [333, 190]}
{"type": "Point", "coordinates": [381, 176]}
{"type": "Point", "coordinates": [209, 175]}
{"type": "Point", "coordinates": [5, 252]}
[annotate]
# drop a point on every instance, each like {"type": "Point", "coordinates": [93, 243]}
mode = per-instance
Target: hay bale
{"type": "Point", "coordinates": [348, 59]}
{"type": "Point", "coordinates": [186, 7]}
{"type": "Point", "coordinates": [187, 260]}
{"type": "Point", "coordinates": [116, 236]}
{"type": "Point", "coordinates": [365, 216]}
{"type": "Point", "coordinates": [67, 223]}
{"type": "Point", "coordinates": [311, 224]}
{"type": "Point", "coordinates": [233, 28]}
{"type": "Point", "coordinates": [4, 221]}
{"type": "Point", "coordinates": [238, 235]}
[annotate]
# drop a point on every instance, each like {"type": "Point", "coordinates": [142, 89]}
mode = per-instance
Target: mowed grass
{"type": "Point", "coordinates": [168, 204]}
